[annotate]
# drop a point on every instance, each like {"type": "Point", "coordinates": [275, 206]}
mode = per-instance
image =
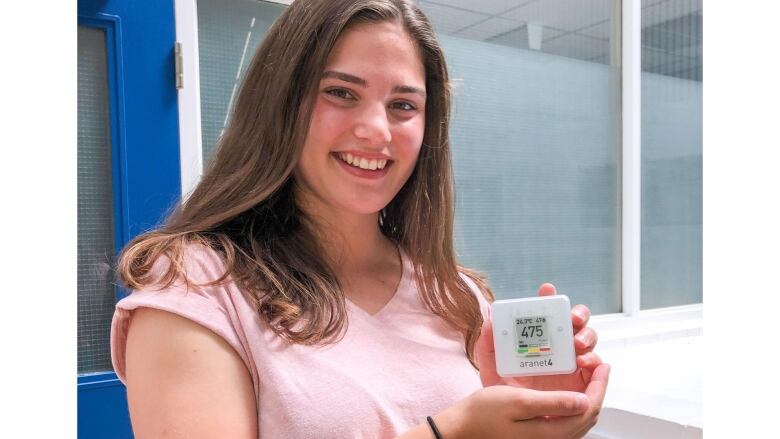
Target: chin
{"type": "Point", "coordinates": [364, 208]}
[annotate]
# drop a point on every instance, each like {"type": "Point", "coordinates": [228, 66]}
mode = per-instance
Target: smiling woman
{"type": "Point", "coordinates": [370, 113]}
{"type": "Point", "coordinates": [308, 287]}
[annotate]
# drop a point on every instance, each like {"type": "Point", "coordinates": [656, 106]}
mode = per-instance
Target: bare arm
{"type": "Point", "coordinates": [184, 381]}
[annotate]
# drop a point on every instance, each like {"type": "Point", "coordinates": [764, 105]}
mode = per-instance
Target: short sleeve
{"type": "Point", "coordinates": [206, 305]}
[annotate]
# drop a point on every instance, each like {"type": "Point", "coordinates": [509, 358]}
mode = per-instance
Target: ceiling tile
{"type": "Point", "coordinates": [566, 15]}
{"type": "Point", "coordinates": [655, 13]}
{"type": "Point", "coordinates": [519, 37]}
{"type": "Point", "coordinates": [489, 28]}
{"type": "Point", "coordinates": [447, 20]}
{"type": "Point", "coordinates": [577, 46]}
{"type": "Point", "coordinates": [489, 7]}
{"type": "Point", "coordinates": [599, 30]}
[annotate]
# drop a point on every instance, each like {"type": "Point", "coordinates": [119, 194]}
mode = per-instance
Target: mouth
{"type": "Point", "coordinates": [362, 166]}
{"type": "Point", "coordinates": [362, 162]}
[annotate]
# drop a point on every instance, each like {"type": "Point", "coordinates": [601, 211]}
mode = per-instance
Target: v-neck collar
{"type": "Point", "coordinates": [403, 284]}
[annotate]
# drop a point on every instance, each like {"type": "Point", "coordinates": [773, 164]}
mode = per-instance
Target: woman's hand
{"type": "Point", "coordinates": [584, 341]}
{"type": "Point", "coordinates": [500, 412]}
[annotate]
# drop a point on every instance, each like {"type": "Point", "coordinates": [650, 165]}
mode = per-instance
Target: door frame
{"type": "Point", "coordinates": [145, 159]}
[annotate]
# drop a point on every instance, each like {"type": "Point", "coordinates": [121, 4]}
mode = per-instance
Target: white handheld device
{"type": "Point", "coordinates": [533, 336]}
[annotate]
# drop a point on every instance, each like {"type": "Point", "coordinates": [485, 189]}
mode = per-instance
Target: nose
{"type": "Point", "coordinates": [372, 127]}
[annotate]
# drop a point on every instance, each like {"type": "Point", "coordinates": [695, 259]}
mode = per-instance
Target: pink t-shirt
{"type": "Point", "coordinates": [390, 371]}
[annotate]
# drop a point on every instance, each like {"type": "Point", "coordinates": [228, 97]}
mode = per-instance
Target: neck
{"type": "Point", "coordinates": [351, 241]}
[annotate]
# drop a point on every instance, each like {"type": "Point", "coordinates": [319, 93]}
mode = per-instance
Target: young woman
{"type": "Point", "coordinates": [308, 287]}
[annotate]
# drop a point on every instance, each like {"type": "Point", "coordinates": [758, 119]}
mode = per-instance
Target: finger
{"type": "Point", "coordinates": [586, 374]}
{"type": "Point", "coordinates": [586, 427]}
{"type": "Point", "coordinates": [536, 403]}
{"type": "Point", "coordinates": [580, 315]}
{"type": "Point", "coordinates": [547, 289]}
{"type": "Point", "coordinates": [585, 340]}
{"type": "Point", "coordinates": [596, 390]}
{"type": "Point", "coordinates": [597, 387]}
{"type": "Point", "coordinates": [486, 356]}
{"type": "Point", "coordinates": [588, 361]}
{"type": "Point", "coordinates": [577, 425]}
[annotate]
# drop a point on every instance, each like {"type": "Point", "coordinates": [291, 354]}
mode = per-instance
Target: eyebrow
{"type": "Point", "coordinates": [362, 82]}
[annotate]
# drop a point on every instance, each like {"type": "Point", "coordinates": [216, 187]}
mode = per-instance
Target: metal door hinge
{"type": "Point", "coordinates": [179, 61]}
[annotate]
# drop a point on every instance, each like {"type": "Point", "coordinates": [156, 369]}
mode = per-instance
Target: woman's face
{"type": "Point", "coordinates": [368, 121]}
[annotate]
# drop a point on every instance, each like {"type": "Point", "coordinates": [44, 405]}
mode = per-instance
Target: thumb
{"type": "Point", "coordinates": [536, 403]}
{"type": "Point", "coordinates": [547, 289]}
{"type": "Point", "coordinates": [486, 356]}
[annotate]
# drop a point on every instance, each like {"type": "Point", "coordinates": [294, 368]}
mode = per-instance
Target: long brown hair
{"type": "Point", "coordinates": [244, 208]}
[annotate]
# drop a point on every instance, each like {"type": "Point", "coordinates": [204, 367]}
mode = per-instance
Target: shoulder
{"type": "Point", "coordinates": [193, 298]}
{"type": "Point", "coordinates": [172, 361]}
{"type": "Point", "coordinates": [199, 286]}
{"type": "Point", "coordinates": [194, 264]}
{"type": "Point", "coordinates": [173, 340]}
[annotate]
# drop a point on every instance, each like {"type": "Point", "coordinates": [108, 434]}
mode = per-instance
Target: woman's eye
{"type": "Point", "coordinates": [340, 93]}
{"type": "Point", "coordinates": [403, 106]}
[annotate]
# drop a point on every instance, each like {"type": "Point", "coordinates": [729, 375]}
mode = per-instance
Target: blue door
{"type": "Point", "coordinates": [128, 176]}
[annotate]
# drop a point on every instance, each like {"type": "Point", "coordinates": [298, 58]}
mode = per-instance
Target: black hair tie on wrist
{"type": "Point", "coordinates": [433, 427]}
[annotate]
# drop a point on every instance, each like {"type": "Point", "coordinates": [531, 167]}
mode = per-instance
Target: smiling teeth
{"type": "Point", "coordinates": [362, 162]}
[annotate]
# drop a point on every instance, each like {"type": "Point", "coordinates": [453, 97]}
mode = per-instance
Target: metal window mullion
{"type": "Point", "coordinates": [190, 134]}
{"type": "Point", "coordinates": [632, 155]}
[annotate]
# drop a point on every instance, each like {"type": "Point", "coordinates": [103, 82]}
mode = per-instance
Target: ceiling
{"type": "Point", "coordinates": [581, 29]}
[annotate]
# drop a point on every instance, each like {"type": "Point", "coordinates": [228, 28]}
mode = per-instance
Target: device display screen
{"type": "Point", "coordinates": [533, 336]}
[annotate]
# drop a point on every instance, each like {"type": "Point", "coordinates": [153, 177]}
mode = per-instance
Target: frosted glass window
{"type": "Point", "coordinates": [229, 32]}
{"type": "Point", "coordinates": [96, 290]}
{"type": "Point", "coordinates": [535, 133]}
{"type": "Point", "coordinates": [671, 153]}
{"type": "Point", "coordinates": [536, 143]}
